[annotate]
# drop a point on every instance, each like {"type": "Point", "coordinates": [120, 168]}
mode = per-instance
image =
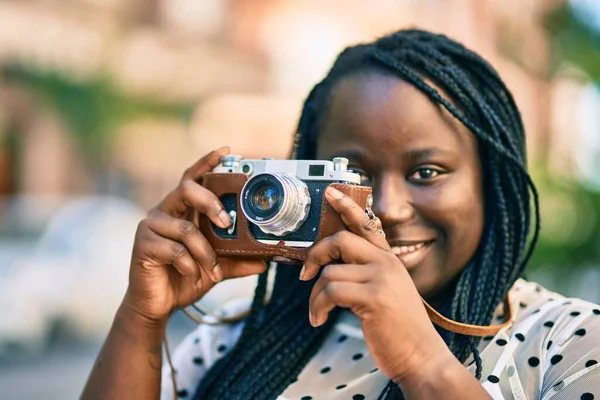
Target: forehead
{"type": "Point", "coordinates": [381, 112]}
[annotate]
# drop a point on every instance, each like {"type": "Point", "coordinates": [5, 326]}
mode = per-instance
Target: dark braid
{"type": "Point", "coordinates": [277, 341]}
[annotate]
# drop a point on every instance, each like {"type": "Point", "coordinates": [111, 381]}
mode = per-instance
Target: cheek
{"type": "Point", "coordinates": [456, 211]}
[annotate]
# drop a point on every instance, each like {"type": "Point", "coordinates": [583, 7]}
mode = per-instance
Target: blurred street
{"type": "Point", "coordinates": [104, 104]}
{"type": "Point", "coordinates": [60, 372]}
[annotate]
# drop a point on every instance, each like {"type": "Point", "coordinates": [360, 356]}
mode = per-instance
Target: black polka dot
{"type": "Point", "coordinates": [373, 370]}
{"type": "Point", "coordinates": [520, 336]}
{"type": "Point", "coordinates": [536, 311]}
{"type": "Point", "coordinates": [534, 361]}
{"type": "Point", "coordinates": [500, 317]}
{"type": "Point", "coordinates": [325, 370]}
{"type": "Point", "coordinates": [590, 363]}
{"type": "Point", "coordinates": [548, 324]}
{"type": "Point", "coordinates": [340, 387]}
{"type": "Point", "coordinates": [493, 379]}
{"type": "Point", "coordinates": [596, 311]}
{"type": "Point", "coordinates": [182, 393]}
{"type": "Point", "coordinates": [342, 338]}
{"type": "Point", "coordinates": [522, 305]}
{"type": "Point", "coordinates": [501, 342]}
{"type": "Point", "coordinates": [558, 385]}
{"type": "Point", "coordinates": [580, 332]}
{"type": "Point", "coordinates": [358, 397]}
{"type": "Point", "coordinates": [587, 396]}
{"type": "Point", "coordinates": [306, 398]}
{"type": "Point", "coordinates": [198, 360]}
{"type": "Point", "coordinates": [575, 313]}
{"type": "Point", "coordinates": [566, 303]}
{"type": "Point", "coordinates": [357, 356]}
{"type": "Point", "coordinates": [488, 338]}
{"type": "Point", "coordinates": [221, 348]}
{"type": "Point", "coordinates": [510, 371]}
{"type": "Point", "coordinates": [549, 344]}
{"type": "Point", "coordinates": [538, 288]}
{"type": "Point", "coordinates": [556, 359]}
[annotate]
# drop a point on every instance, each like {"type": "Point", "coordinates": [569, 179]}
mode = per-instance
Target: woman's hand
{"type": "Point", "coordinates": [372, 282]}
{"type": "Point", "coordinates": [173, 264]}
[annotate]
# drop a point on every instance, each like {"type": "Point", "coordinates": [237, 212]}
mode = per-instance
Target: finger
{"type": "Point", "coordinates": [334, 294]}
{"type": "Point", "coordinates": [190, 194]}
{"type": "Point", "coordinates": [355, 218]}
{"type": "Point", "coordinates": [169, 252]}
{"type": "Point", "coordinates": [186, 232]}
{"type": "Point", "coordinates": [347, 272]}
{"type": "Point", "coordinates": [205, 164]}
{"type": "Point", "coordinates": [236, 268]}
{"type": "Point", "coordinates": [344, 245]}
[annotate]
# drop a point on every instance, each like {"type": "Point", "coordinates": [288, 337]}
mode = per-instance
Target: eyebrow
{"type": "Point", "coordinates": [420, 154]}
{"type": "Point", "coordinates": [412, 155]}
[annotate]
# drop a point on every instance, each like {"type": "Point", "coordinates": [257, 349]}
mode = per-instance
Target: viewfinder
{"type": "Point", "coordinates": [316, 170]}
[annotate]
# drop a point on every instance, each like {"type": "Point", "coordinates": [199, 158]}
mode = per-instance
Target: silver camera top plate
{"type": "Point", "coordinates": [306, 170]}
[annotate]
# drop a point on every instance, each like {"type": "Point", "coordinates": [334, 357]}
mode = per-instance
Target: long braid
{"type": "Point", "coordinates": [277, 341]}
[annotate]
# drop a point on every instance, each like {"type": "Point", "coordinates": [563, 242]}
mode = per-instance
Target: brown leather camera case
{"type": "Point", "coordinates": [245, 245]}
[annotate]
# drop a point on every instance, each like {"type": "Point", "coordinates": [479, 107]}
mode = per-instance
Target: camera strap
{"type": "Point", "coordinates": [467, 329]}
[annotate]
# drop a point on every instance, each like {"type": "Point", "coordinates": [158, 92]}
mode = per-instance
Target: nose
{"type": "Point", "coordinates": [392, 200]}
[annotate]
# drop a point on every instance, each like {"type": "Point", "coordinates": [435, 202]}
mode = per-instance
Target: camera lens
{"type": "Point", "coordinates": [264, 198]}
{"type": "Point", "coordinates": [277, 203]}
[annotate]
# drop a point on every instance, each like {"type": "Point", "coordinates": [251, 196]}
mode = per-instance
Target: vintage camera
{"type": "Point", "coordinates": [277, 206]}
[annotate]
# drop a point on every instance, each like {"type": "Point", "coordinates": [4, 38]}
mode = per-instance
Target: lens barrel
{"type": "Point", "coordinates": [277, 203]}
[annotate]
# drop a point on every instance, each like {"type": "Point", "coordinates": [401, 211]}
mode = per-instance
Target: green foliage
{"type": "Point", "coordinates": [91, 110]}
{"type": "Point", "coordinates": [574, 41]}
{"type": "Point", "coordinates": [570, 215]}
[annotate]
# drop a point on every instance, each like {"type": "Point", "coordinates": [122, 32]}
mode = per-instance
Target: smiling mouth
{"type": "Point", "coordinates": [411, 254]}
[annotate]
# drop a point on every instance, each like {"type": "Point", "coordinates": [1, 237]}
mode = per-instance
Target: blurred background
{"type": "Point", "coordinates": [104, 103]}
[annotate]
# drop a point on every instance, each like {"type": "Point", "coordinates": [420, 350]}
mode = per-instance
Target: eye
{"type": "Point", "coordinates": [365, 178]}
{"type": "Point", "coordinates": [424, 174]}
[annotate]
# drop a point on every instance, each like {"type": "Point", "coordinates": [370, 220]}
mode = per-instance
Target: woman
{"type": "Point", "coordinates": [433, 129]}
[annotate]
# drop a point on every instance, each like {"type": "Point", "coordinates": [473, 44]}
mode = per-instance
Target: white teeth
{"type": "Point", "coordinates": [397, 250]}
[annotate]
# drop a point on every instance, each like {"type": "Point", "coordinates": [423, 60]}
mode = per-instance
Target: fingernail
{"type": "Point", "coordinates": [225, 218]}
{"type": "Point", "coordinates": [222, 149]}
{"type": "Point", "coordinates": [302, 272]}
{"type": "Point", "coordinates": [311, 318]}
{"type": "Point", "coordinates": [334, 193]}
{"type": "Point", "coordinates": [217, 273]}
{"type": "Point", "coordinates": [199, 284]}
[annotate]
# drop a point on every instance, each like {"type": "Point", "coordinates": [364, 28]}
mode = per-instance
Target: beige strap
{"type": "Point", "coordinates": [466, 329]}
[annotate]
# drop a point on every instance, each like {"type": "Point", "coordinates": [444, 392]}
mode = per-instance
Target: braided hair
{"type": "Point", "coordinates": [277, 340]}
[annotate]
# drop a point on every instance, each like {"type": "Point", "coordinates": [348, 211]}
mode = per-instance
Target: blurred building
{"type": "Point", "coordinates": [244, 65]}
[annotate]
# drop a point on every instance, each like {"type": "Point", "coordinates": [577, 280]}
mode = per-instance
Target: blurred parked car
{"type": "Point", "coordinates": [73, 277]}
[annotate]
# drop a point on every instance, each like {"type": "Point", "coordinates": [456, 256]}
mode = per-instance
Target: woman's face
{"type": "Point", "coordinates": [423, 166]}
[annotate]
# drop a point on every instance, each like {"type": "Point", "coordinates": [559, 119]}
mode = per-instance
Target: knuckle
{"type": "Point", "coordinates": [178, 251]}
{"type": "Point", "coordinates": [380, 298]}
{"type": "Point", "coordinates": [186, 186]}
{"type": "Point", "coordinates": [186, 174]}
{"type": "Point", "coordinates": [327, 272]}
{"type": "Point", "coordinates": [342, 235]}
{"type": "Point", "coordinates": [187, 228]}
{"type": "Point", "coordinates": [332, 289]}
{"type": "Point", "coordinates": [142, 225]}
{"type": "Point", "coordinates": [210, 257]}
{"type": "Point", "coordinates": [369, 225]}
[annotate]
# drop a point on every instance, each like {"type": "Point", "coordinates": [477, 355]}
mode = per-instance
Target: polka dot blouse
{"type": "Point", "coordinates": [552, 351]}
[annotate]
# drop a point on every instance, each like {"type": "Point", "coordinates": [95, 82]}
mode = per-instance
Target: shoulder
{"type": "Point", "coordinates": [556, 341]}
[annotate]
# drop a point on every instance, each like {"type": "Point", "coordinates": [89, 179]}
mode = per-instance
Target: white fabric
{"type": "Point", "coordinates": [552, 351]}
